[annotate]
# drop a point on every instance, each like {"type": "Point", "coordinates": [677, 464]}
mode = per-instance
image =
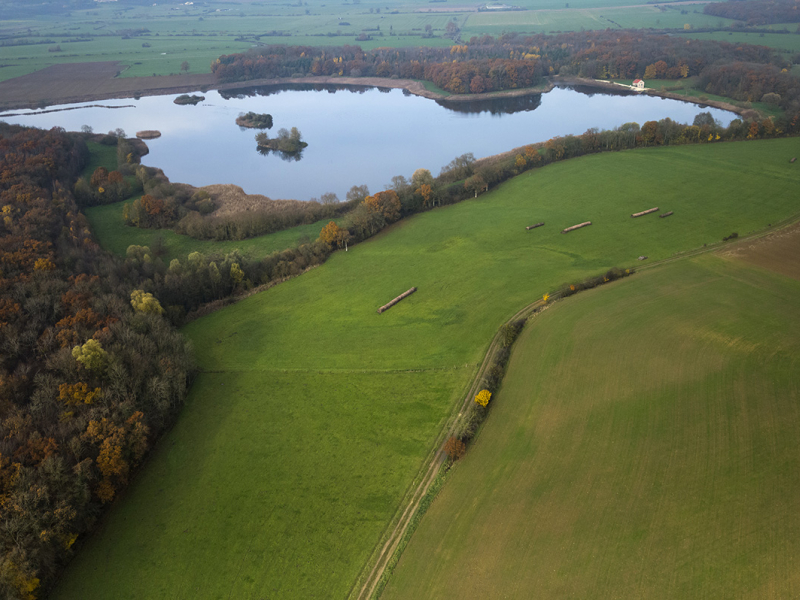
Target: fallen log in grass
{"type": "Point", "coordinates": [529, 227]}
{"type": "Point", "coordinates": [666, 214]}
{"type": "Point", "coordinates": [396, 300]}
{"type": "Point", "coordinates": [578, 226]}
{"type": "Point", "coordinates": [644, 212]}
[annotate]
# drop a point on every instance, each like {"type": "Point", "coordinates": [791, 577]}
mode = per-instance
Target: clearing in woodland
{"type": "Point", "coordinates": [314, 414]}
{"type": "Point", "coordinates": [644, 445]}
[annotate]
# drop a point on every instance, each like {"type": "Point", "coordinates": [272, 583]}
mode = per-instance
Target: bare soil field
{"type": "Point", "coordinates": [777, 252]}
{"type": "Point", "coordinates": [82, 82]}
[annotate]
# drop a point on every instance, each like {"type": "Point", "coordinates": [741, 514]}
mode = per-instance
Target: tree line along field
{"type": "Point", "coordinates": [313, 414]}
{"type": "Point", "coordinates": [157, 40]}
{"type": "Point", "coordinates": [644, 445]}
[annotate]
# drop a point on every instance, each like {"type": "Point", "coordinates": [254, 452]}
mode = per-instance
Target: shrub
{"type": "Point", "coordinates": [454, 448]}
{"type": "Point", "coordinates": [483, 398]}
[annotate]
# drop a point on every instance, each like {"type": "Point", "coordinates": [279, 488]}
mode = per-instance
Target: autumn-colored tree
{"type": "Point", "coordinates": [330, 233]}
{"type": "Point", "coordinates": [237, 275]}
{"type": "Point", "coordinates": [75, 394]}
{"type": "Point", "coordinates": [475, 184]}
{"type": "Point", "coordinates": [120, 447]}
{"type": "Point", "coordinates": [421, 177]}
{"type": "Point", "coordinates": [91, 355]}
{"type": "Point", "coordinates": [454, 448]}
{"type": "Point", "coordinates": [145, 302]}
{"type": "Point", "coordinates": [427, 194]}
{"type": "Point", "coordinates": [99, 177]}
{"type": "Point", "coordinates": [532, 154]}
{"type": "Point", "coordinates": [153, 206]}
{"type": "Point", "coordinates": [386, 203]}
{"type": "Point", "coordinates": [483, 398]}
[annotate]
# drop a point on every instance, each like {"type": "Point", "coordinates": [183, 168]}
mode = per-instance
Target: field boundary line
{"type": "Point", "coordinates": [343, 371]}
{"type": "Point", "coordinates": [389, 547]}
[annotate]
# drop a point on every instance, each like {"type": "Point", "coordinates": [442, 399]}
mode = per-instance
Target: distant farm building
{"type": "Point", "coordinates": [638, 84]}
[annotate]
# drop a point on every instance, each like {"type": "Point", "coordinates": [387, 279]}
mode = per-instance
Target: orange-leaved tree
{"type": "Point", "coordinates": [329, 233]}
{"type": "Point", "coordinates": [454, 448]}
{"type": "Point", "coordinates": [387, 203]}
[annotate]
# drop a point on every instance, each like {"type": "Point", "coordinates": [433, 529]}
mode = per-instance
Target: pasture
{"type": "Point", "coordinates": [643, 445]}
{"type": "Point", "coordinates": [313, 413]}
{"type": "Point", "coordinates": [574, 19]}
{"type": "Point", "coordinates": [156, 40]}
{"type": "Point", "coordinates": [788, 42]}
{"type": "Point", "coordinates": [115, 236]}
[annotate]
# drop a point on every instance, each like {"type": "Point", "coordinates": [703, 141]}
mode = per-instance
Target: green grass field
{"type": "Point", "coordinates": [99, 156]}
{"type": "Point", "coordinates": [263, 486]}
{"type": "Point", "coordinates": [156, 40]}
{"type": "Point", "coordinates": [575, 19]}
{"type": "Point", "coordinates": [113, 235]}
{"type": "Point", "coordinates": [789, 42]}
{"type": "Point", "coordinates": [644, 445]}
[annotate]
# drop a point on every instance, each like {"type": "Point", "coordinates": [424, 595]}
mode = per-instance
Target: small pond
{"type": "Point", "coordinates": [355, 136]}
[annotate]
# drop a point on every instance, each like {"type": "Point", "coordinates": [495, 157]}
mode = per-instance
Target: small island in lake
{"type": "Point", "coordinates": [287, 143]}
{"type": "Point", "coordinates": [254, 120]}
{"type": "Point", "coordinates": [148, 134]}
{"type": "Point", "coordinates": [187, 99]}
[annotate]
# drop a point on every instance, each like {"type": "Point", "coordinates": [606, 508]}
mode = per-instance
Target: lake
{"type": "Point", "coordinates": [355, 136]}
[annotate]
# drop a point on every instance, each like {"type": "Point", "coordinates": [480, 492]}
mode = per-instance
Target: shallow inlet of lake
{"type": "Point", "coordinates": [355, 135]}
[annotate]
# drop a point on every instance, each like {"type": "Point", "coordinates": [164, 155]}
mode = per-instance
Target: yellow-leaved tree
{"type": "Point", "coordinates": [145, 302]}
{"type": "Point", "coordinates": [91, 355]}
{"type": "Point", "coordinates": [483, 398]}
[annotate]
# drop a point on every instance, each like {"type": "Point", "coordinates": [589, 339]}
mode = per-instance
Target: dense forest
{"type": "Point", "coordinates": [90, 372]}
{"type": "Point", "coordinates": [756, 12]}
{"type": "Point", "coordinates": [486, 64]}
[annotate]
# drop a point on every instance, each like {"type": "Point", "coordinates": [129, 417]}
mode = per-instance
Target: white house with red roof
{"type": "Point", "coordinates": [638, 85]}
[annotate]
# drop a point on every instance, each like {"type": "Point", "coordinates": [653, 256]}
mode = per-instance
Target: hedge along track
{"type": "Point", "coordinates": [380, 559]}
{"type": "Point", "coordinates": [435, 461]}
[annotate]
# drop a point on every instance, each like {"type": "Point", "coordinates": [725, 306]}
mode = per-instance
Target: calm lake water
{"type": "Point", "coordinates": [355, 136]}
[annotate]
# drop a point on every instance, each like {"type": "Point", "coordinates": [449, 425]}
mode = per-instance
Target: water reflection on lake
{"type": "Point", "coordinates": [358, 136]}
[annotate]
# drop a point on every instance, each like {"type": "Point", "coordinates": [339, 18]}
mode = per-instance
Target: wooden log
{"type": "Point", "coordinates": [529, 227]}
{"type": "Point", "coordinates": [644, 212]}
{"type": "Point", "coordinates": [578, 226]}
{"type": "Point", "coordinates": [666, 214]}
{"type": "Point", "coordinates": [396, 300]}
{"type": "Point", "coordinates": [794, 158]}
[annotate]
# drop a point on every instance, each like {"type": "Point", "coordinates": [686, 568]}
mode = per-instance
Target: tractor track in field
{"type": "Point", "coordinates": [431, 468]}
{"type": "Point", "coordinates": [434, 463]}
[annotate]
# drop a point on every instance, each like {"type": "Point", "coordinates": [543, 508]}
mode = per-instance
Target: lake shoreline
{"type": "Point", "coordinates": [115, 88]}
